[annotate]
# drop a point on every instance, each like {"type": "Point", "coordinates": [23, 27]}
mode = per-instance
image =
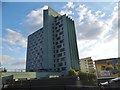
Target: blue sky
{"type": "Point", "coordinates": [96, 28]}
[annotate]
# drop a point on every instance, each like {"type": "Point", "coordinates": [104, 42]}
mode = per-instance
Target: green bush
{"type": "Point", "coordinates": [72, 72]}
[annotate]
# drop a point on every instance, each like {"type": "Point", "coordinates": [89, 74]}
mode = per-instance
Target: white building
{"type": "Point", "coordinates": [86, 65]}
{"type": "Point", "coordinates": [53, 47]}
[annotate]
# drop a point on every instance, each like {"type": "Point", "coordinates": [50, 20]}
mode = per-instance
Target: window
{"type": "Point", "coordinates": [39, 60]}
{"type": "Point", "coordinates": [56, 35]}
{"type": "Point", "coordinates": [62, 49]}
{"type": "Point", "coordinates": [63, 59]}
{"type": "Point", "coordinates": [60, 18]}
{"type": "Point", "coordinates": [40, 35]}
{"type": "Point", "coordinates": [58, 69]}
{"type": "Point", "coordinates": [63, 68]}
{"type": "Point", "coordinates": [54, 65]}
{"type": "Point", "coordinates": [60, 64]}
{"type": "Point", "coordinates": [41, 41]}
{"type": "Point", "coordinates": [65, 63]}
{"type": "Point", "coordinates": [58, 38]}
{"type": "Point", "coordinates": [61, 41]}
{"type": "Point", "coordinates": [56, 43]}
{"type": "Point", "coordinates": [55, 27]}
{"type": "Point", "coordinates": [57, 60]}
{"type": "Point", "coordinates": [64, 53]}
{"type": "Point", "coordinates": [58, 30]}
{"type": "Point", "coordinates": [38, 53]}
{"type": "Point", "coordinates": [60, 25]}
{"type": "Point", "coordinates": [56, 51]}
{"type": "Point", "coordinates": [38, 39]}
{"type": "Point", "coordinates": [56, 17]}
{"type": "Point", "coordinates": [59, 55]}
{"type": "Point", "coordinates": [61, 33]}
{"type": "Point", "coordinates": [57, 23]}
{"type": "Point", "coordinates": [58, 46]}
{"type": "Point", "coordinates": [53, 30]}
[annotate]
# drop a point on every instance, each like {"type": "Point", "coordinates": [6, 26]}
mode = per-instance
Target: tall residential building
{"type": "Point", "coordinates": [54, 46]}
{"type": "Point", "coordinates": [86, 65]}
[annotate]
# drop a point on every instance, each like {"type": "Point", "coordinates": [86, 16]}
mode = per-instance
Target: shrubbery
{"type": "Point", "coordinates": [86, 78]}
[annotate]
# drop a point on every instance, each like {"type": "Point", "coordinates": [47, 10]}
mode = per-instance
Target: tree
{"type": "Point", "coordinates": [93, 71]}
{"type": "Point", "coordinates": [87, 78]}
{"type": "Point", "coordinates": [81, 73]}
{"type": "Point", "coordinates": [72, 72]}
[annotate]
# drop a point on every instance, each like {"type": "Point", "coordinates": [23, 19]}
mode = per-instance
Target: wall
{"type": "Point", "coordinates": [29, 75]}
{"type": "Point", "coordinates": [7, 79]}
{"type": "Point", "coordinates": [0, 83]}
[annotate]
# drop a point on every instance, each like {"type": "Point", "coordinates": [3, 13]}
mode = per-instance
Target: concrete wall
{"type": "Point", "coordinates": [29, 75]}
{"type": "Point", "coordinates": [17, 75]}
{"type": "Point", "coordinates": [0, 83]}
{"type": "Point", "coordinates": [7, 79]}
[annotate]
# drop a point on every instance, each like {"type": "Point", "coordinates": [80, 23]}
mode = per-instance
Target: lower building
{"type": "Point", "coordinates": [86, 65]}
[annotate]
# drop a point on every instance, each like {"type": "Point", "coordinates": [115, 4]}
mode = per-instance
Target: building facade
{"type": "Point", "coordinates": [86, 65]}
{"type": "Point", "coordinates": [53, 47]}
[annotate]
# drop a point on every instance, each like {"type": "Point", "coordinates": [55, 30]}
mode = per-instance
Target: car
{"type": "Point", "coordinates": [112, 83]}
{"type": "Point", "coordinates": [104, 85]}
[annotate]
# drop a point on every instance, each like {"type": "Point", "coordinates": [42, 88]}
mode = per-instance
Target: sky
{"type": "Point", "coordinates": [96, 25]}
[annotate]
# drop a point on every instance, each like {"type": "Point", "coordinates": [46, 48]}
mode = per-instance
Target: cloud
{"type": "Point", "coordinates": [88, 24]}
{"type": "Point", "coordinates": [10, 62]}
{"type": "Point", "coordinates": [69, 5]}
{"type": "Point", "coordinates": [98, 49]}
{"type": "Point", "coordinates": [6, 58]}
{"type": "Point", "coordinates": [67, 9]}
{"type": "Point", "coordinates": [97, 36]}
{"type": "Point", "coordinates": [34, 20]}
{"type": "Point", "coordinates": [116, 7]}
{"type": "Point", "coordinates": [14, 38]}
{"type": "Point", "coordinates": [91, 25]}
{"type": "Point", "coordinates": [67, 12]}
{"type": "Point", "coordinates": [20, 63]}
{"type": "Point", "coordinates": [100, 14]}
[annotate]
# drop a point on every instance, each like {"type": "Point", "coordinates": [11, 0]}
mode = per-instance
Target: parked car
{"type": "Point", "coordinates": [112, 83]}
{"type": "Point", "coordinates": [103, 85]}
